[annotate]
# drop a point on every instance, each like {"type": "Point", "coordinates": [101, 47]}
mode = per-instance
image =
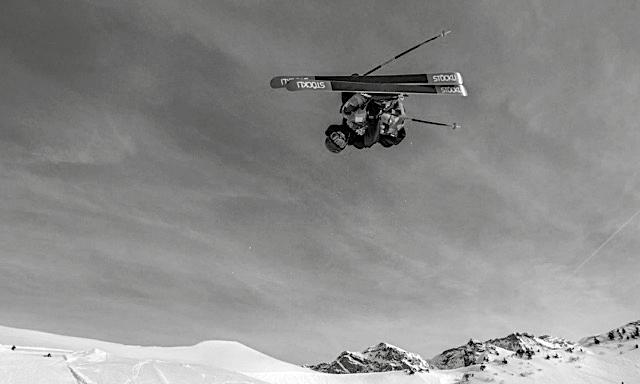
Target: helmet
{"type": "Point", "coordinates": [336, 141]}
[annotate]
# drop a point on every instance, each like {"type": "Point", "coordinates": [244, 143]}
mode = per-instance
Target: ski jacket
{"type": "Point", "coordinates": [379, 119]}
{"type": "Point", "coordinates": [354, 111]}
{"type": "Point", "coordinates": [371, 105]}
{"type": "Point", "coordinates": [392, 119]}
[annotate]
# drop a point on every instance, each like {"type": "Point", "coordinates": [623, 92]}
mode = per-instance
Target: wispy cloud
{"type": "Point", "coordinates": [147, 171]}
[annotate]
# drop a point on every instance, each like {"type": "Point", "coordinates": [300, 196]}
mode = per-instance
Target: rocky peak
{"type": "Point", "coordinates": [525, 345]}
{"type": "Point", "coordinates": [524, 342]}
{"type": "Point", "coordinates": [379, 358]}
{"type": "Point", "coordinates": [473, 352]}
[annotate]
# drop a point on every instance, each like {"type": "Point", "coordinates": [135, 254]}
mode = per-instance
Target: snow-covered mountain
{"type": "Point", "coordinates": [228, 354]}
{"type": "Point", "coordinates": [626, 333]}
{"type": "Point", "coordinates": [383, 357]}
{"type": "Point", "coordinates": [474, 352]}
{"type": "Point", "coordinates": [528, 342]}
{"type": "Point", "coordinates": [53, 359]}
{"type": "Point", "coordinates": [523, 345]}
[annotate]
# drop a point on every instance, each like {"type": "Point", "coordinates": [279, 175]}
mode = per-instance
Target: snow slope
{"type": "Point", "coordinates": [228, 354]}
{"type": "Point", "coordinates": [85, 361]}
{"type": "Point", "coordinates": [627, 333]}
{"type": "Point", "coordinates": [18, 368]}
{"type": "Point", "coordinates": [100, 367]}
{"type": "Point", "coordinates": [590, 366]}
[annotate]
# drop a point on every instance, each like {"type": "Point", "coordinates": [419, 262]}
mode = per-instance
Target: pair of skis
{"type": "Point", "coordinates": [446, 83]}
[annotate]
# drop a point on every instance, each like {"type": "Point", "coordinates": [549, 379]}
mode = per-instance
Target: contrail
{"type": "Point", "coordinates": [605, 242]}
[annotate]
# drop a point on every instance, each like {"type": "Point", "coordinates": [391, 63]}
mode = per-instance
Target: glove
{"type": "Point", "coordinates": [390, 130]}
{"type": "Point", "coordinates": [390, 124]}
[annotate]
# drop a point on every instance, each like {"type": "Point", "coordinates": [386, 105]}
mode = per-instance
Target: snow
{"type": "Point", "coordinates": [86, 361]}
{"type": "Point", "coordinates": [18, 368]}
{"type": "Point", "coordinates": [100, 367]}
{"type": "Point", "coordinates": [629, 332]}
{"type": "Point", "coordinates": [393, 377]}
{"type": "Point", "coordinates": [378, 358]}
{"type": "Point", "coordinates": [476, 352]}
{"type": "Point", "coordinates": [229, 354]}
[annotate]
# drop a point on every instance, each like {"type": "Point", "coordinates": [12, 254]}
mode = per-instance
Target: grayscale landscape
{"type": "Point", "coordinates": [170, 213]}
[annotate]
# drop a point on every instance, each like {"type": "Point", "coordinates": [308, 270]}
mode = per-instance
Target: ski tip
{"type": "Point", "coordinates": [464, 90]}
{"type": "Point", "coordinates": [277, 83]}
{"type": "Point", "coordinates": [445, 32]}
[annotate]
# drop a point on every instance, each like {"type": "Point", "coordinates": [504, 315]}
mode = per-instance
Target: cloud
{"type": "Point", "coordinates": [144, 156]}
{"type": "Point", "coordinates": [52, 124]}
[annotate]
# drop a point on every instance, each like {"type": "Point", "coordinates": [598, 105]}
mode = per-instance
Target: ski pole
{"type": "Point", "coordinates": [450, 125]}
{"type": "Point", "coordinates": [441, 34]}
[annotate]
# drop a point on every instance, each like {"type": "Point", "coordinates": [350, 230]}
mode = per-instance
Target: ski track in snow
{"type": "Point", "coordinates": [136, 371]}
{"type": "Point", "coordinates": [79, 378]}
{"type": "Point", "coordinates": [161, 375]}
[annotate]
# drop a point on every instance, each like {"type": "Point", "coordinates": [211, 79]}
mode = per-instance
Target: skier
{"type": "Point", "coordinates": [367, 120]}
{"type": "Point", "coordinates": [379, 118]}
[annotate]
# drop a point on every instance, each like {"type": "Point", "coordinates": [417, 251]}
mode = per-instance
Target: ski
{"type": "Point", "coordinates": [354, 86]}
{"type": "Point", "coordinates": [445, 78]}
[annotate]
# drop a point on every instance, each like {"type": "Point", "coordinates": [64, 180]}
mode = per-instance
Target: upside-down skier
{"type": "Point", "coordinates": [367, 120]}
{"type": "Point", "coordinates": [372, 110]}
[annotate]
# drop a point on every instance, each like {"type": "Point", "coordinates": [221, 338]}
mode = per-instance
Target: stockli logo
{"type": "Point", "coordinates": [445, 78]}
{"type": "Point", "coordinates": [455, 89]}
{"type": "Point", "coordinates": [310, 84]}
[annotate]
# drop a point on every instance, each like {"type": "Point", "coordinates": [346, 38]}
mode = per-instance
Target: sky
{"type": "Point", "coordinates": [155, 191]}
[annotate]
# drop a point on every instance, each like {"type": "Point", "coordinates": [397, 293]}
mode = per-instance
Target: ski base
{"type": "Point", "coordinates": [353, 86]}
{"type": "Point", "coordinates": [440, 78]}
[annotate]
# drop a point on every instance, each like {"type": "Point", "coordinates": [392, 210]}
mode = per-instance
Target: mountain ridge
{"type": "Point", "coordinates": [552, 361]}
{"type": "Point", "coordinates": [522, 345]}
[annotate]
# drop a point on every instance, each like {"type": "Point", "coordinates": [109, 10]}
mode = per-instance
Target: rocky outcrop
{"type": "Point", "coordinates": [527, 342]}
{"type": "Point", "coordinates": [474, 352]}
{"type": "Point", "coordinates": [380, 358]}
{"type": "Point", "coordinates": [627, 333]}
